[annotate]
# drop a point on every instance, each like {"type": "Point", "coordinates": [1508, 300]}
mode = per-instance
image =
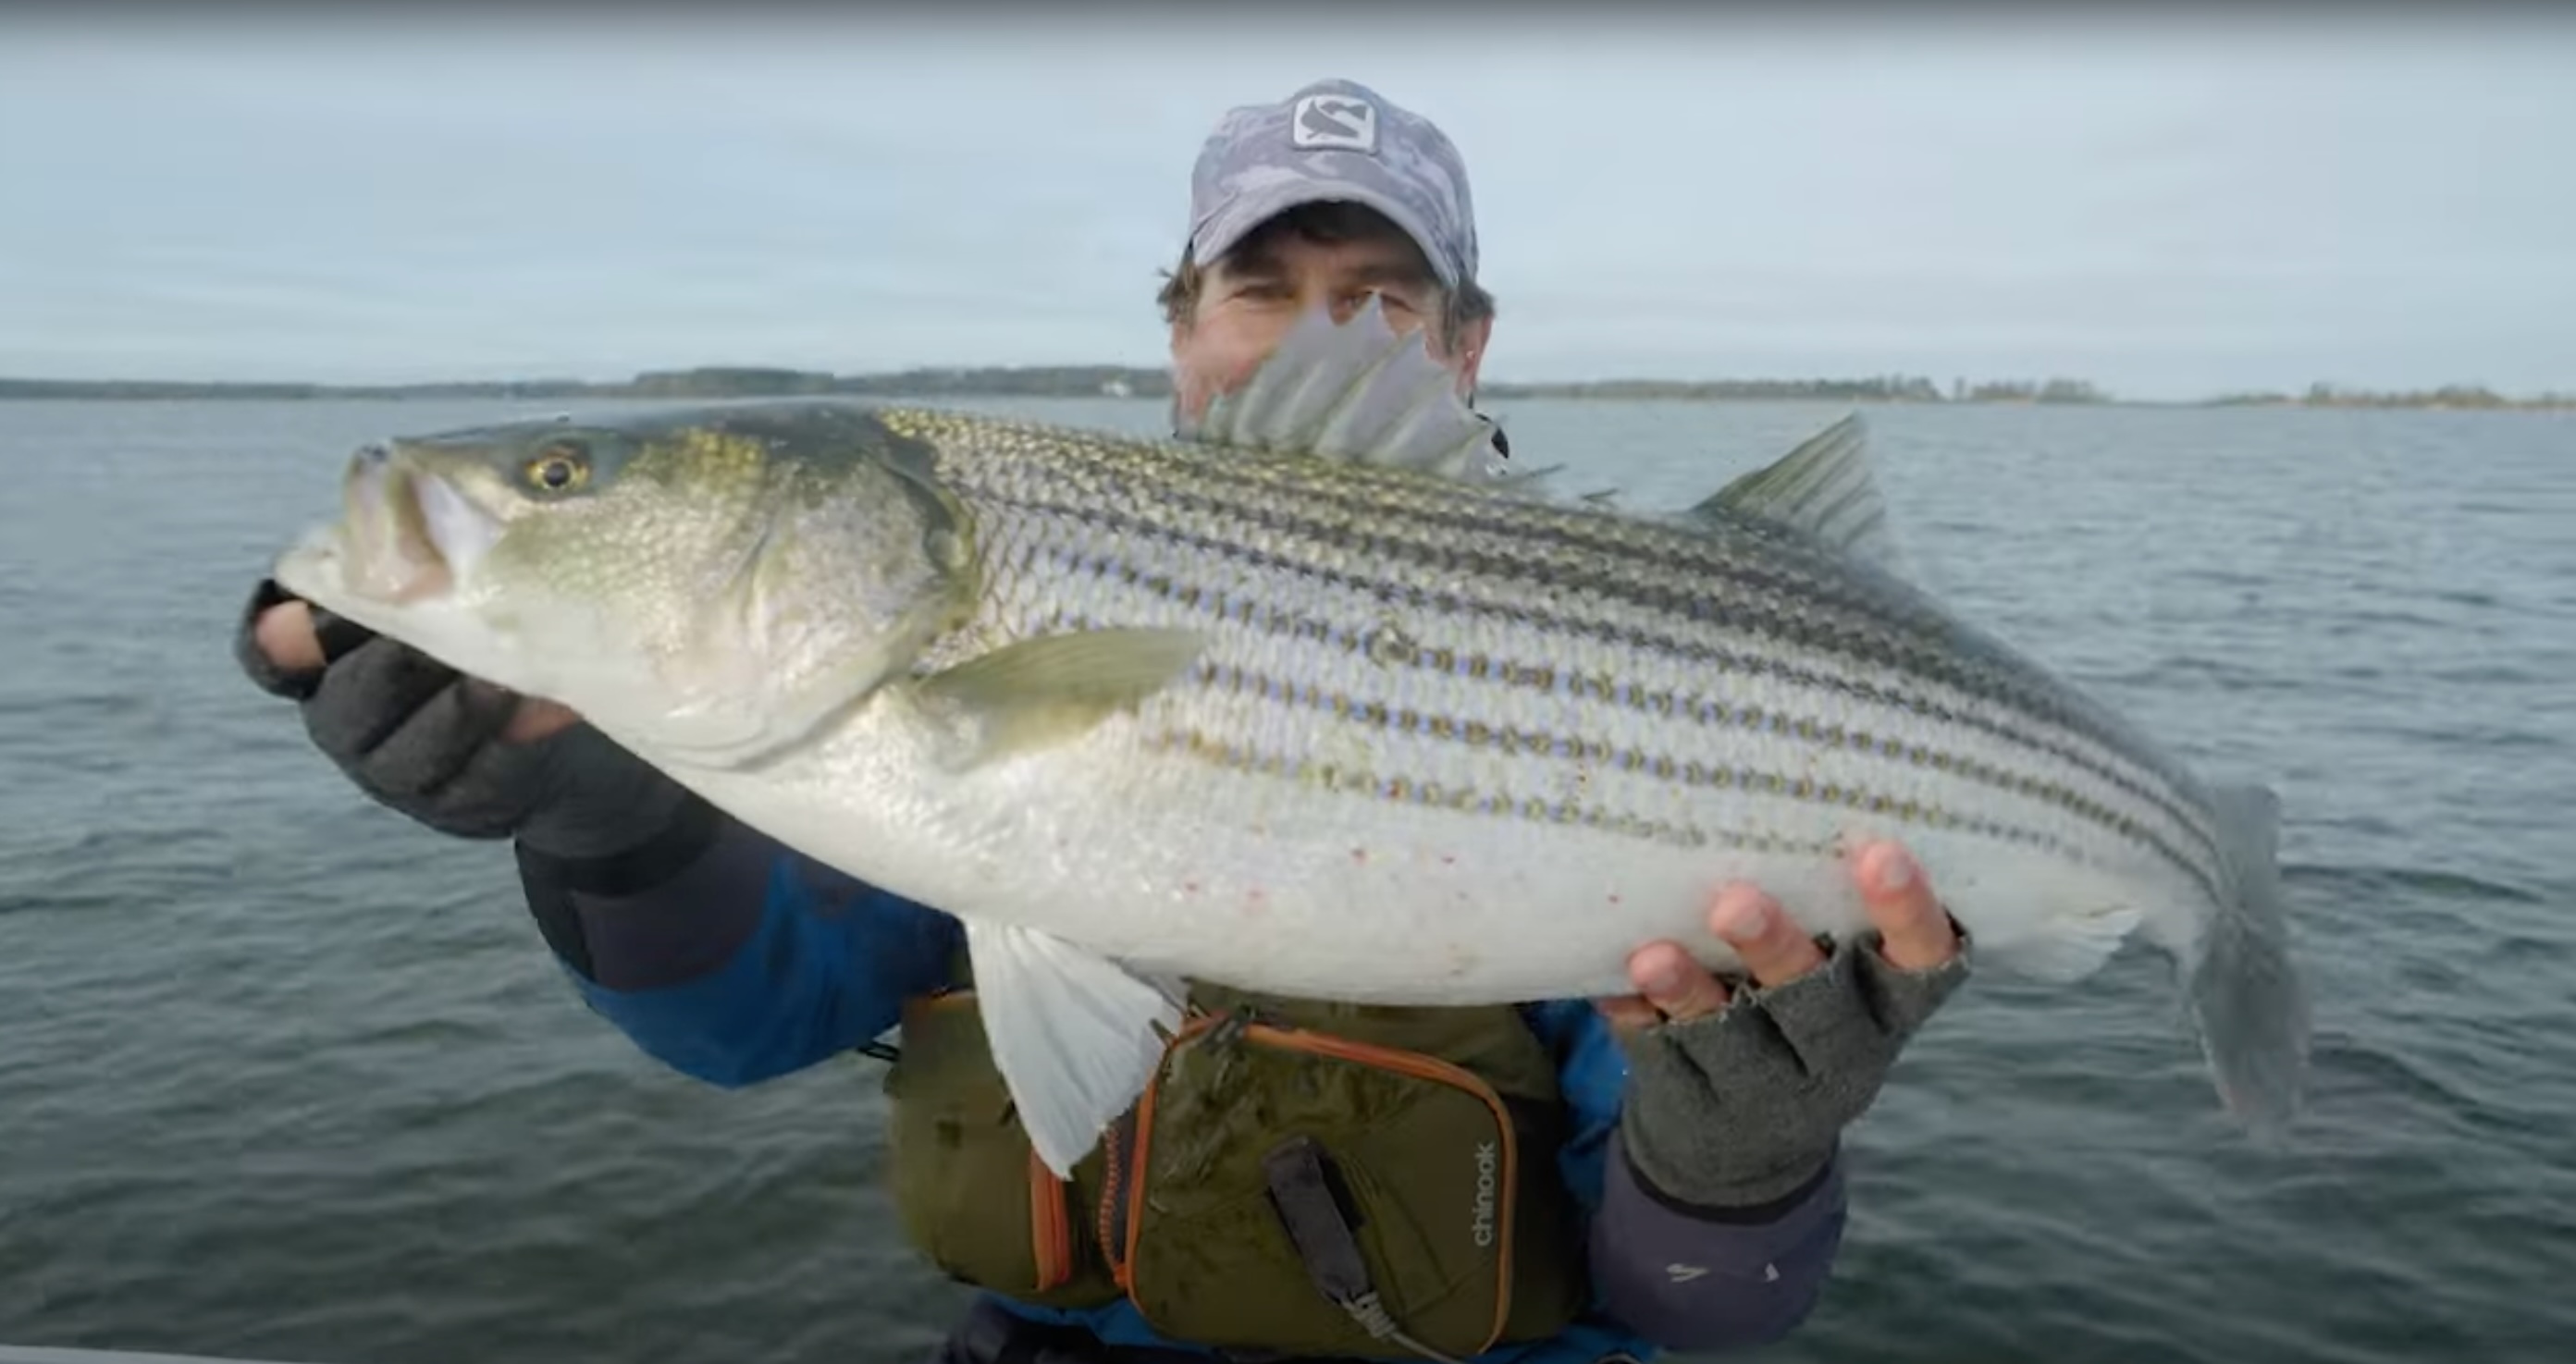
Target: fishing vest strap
{"type": "Point", "coordinates": [1322, 1235]}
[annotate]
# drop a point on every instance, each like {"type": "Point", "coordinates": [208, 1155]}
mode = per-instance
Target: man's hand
{"type": "Point", "coordinates": [1737, 1099]}
{"type": "Point", "coordinates": [455, 753]}
{"type": "Point", "coordinates": [291, 644]}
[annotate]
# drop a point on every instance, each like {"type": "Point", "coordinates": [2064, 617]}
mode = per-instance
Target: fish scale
{"type": "Point", "coordinates": [1875, 629]}
{"type": "Point", "coordinates": [1123, 547]}
{"type": "Point", "coordinates": [1337, 717]}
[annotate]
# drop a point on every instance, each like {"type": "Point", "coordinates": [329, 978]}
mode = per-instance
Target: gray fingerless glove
{"type": "Point", "coordinates": [1746, 1105]}
{"type": "Point", "coordinates": [425, 740]}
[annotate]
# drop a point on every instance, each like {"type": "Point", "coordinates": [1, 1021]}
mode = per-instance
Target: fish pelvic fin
{"type": "Point", "coordinates": [1357, 391]}
{"type": "Point", "coordinates": [2248, 1002]}
{"type": "Point", "coordinates": [1074, 1035]}
{"type": "Point", "coordinates": [1824, 488]}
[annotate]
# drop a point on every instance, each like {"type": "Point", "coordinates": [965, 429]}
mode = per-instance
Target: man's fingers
{"type": "Point", "coordinates": [286, 635]}
{"type": "Point", "coordinates": [1915, 930]}
{"type": "Point", "coordinates": [1628, 1013]}
{"type": "Point", "coordinates": [1672, 981]}
{"type": "Point", "coordinates": [1774, 948]}
{"type": "Point", "coordinates": [535, 719]}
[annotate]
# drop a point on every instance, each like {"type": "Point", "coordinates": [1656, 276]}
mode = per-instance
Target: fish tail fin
{"type": "Point", "coordinates": [2247, 1000]}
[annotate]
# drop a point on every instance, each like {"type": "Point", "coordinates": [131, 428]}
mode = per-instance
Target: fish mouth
{"type": "Point", "coordinates": [405, 533]}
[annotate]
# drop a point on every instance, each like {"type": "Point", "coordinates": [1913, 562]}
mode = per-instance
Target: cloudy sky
{"type": "Point", "coordinates": [2170, 210]}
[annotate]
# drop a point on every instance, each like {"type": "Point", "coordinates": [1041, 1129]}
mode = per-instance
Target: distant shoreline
{"type": "Point", "coordinates": [1117, 381]}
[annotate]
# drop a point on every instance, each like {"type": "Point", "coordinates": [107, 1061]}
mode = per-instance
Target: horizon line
{"type": "Point", "coordinates": [1099, 378]}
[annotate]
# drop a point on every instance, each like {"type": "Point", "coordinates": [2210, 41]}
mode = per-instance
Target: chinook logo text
{"type": "Point", "coordinates": [1485, 1162]}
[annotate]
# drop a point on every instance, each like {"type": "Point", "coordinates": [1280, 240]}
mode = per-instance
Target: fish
{"type": "Point", "coordinates": [1314, 696]}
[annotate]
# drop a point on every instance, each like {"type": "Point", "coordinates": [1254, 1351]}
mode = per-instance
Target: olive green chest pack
{"type": "Point", "coordinates": [1304, 1178]}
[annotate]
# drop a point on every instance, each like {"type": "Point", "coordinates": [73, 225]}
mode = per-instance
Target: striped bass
{"type": "Point", "coordinates": [1305, 702]}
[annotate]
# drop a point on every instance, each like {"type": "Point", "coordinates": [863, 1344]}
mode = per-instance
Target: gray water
{"type": "Point", "coordinates": [282, 1075]}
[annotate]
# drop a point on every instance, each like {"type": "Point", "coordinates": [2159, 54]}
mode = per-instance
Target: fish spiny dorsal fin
{"type": "Point", "coordinates": [1823, 488]}
{"type": "Point", "coordinates": [1359, 391]}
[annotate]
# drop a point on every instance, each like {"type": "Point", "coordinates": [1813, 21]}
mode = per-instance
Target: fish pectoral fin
{"type": "Point", "coordinates": [1358, 391]}
{"type": "Point", "coordinates": [1824, 488]}
{"type": "Point", "coordinates": [1073, 1034]}
{"type": "Point", "coordinates": [1035, 692]}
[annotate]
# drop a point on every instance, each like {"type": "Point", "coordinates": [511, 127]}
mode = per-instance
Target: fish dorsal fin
{"type": "Point", "coordinates": [1823, 488]}
{"type": "Point", "coordinates": [1358, 391]}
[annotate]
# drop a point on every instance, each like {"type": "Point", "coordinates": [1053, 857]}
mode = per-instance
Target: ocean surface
{"type": "Point", "coordinates": [282, 1075]}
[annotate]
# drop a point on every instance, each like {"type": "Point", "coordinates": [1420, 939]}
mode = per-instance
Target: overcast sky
{"type": "Point", "coordinates": [2169, 210]}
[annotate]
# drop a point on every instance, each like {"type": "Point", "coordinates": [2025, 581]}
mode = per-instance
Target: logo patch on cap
{"type": "Point", "coordinates": [1334, 123]}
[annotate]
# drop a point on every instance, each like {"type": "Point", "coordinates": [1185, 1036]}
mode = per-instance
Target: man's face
{"type": "Point", "coordinates": [1249, 298]}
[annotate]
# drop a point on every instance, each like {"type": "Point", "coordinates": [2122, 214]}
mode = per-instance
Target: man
{"type": "Point", "coordinates": [1695, 1127]}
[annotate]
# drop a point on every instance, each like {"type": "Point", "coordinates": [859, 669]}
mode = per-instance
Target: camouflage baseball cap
{"type": "Point", "coordinates": [1334, 139]}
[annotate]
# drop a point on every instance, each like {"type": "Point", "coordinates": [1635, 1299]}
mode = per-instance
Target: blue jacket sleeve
{"type": "Point", "coordinates": [1682, 1277]}
{"type": "Point", "coordinates": [729, 958]}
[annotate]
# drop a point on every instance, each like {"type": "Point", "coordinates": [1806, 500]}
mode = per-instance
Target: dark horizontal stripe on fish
{"type": "Point", "coordinates": [1711, 775]}
{"type": "Point", "coordinates": [1660, 702]}
{"type": "Point", "coordinates": [1463, 799]}
{"type": "Point", "coordinates": [1870, 638]}
{"type": "Point", "coordinates": [1542, 677]}
{"type": "Point", "coordinates": [1399, 524]}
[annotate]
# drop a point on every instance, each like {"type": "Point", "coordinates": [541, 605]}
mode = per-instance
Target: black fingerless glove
{"type": "Point", "coordinates": [1745, 1106]}
{"type": "Point", "coordinates": [425, 740]}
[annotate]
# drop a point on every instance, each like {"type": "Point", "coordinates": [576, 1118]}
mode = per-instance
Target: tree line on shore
{"type": "Point", "coordinates": [1072, 381]}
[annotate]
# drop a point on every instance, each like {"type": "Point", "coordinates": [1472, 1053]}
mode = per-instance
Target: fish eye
{"type": "Point", "coordinates": [560, 467]}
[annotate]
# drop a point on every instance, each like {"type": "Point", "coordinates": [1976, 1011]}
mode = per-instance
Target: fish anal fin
{"type": "Point", "coordinates": [2065, 945]}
